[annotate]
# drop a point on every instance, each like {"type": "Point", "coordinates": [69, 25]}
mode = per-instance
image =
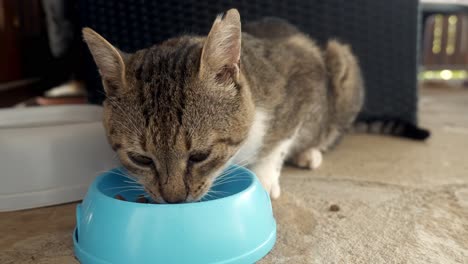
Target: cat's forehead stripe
{"type": "Point", "coordinates": [180, 61]}
{"type": "Point", "coordinates": [191, 60]}
{"type": "Point", "coordinates": [163, 73]}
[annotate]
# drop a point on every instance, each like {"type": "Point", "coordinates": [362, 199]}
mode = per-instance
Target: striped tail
{"type": "Point", "coordinates": [398, 128]}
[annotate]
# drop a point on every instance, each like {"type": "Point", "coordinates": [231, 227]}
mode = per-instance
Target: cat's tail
{"type": "Point", "coordinates": [347, 89]}
{"type": "Point", "coordinates": [391, 127]}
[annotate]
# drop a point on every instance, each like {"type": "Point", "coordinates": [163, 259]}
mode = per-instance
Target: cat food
{"type": "Point", "coordinates": [140, 199]}
{"type": "Point", "coordinates": [334, 208]}
{"type": "Point", "coordinates": [120, 197]}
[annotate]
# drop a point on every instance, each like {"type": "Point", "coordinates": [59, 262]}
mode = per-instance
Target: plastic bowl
{"type": "Point", "coordinates": [237, 227]}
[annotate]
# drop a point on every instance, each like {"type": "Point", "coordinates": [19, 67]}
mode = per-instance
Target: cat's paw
{"type": "Point", "coordinates": [309, 159]}
{"type": "Point", "coordinates": [275, 191]}
{"type": "Point", "coordinates": [272, 187]}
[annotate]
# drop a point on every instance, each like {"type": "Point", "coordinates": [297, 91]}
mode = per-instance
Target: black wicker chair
{"type": "Point", "coordinates": [383, 34]}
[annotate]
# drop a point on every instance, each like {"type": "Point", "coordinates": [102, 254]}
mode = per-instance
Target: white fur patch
{"type": "Point", "coordinates": [250, 148]}
{"type": "Point", "coordinates": [268, 169]}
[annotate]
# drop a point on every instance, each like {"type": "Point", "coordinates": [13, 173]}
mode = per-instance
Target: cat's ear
{"type": "Point", "coordinates": [222, 48]}
{"type": "Point", "coordinates": [109, 60]}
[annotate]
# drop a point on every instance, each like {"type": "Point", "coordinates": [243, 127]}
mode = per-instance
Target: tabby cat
{"type": "Point", "coordinates": [179, 112]}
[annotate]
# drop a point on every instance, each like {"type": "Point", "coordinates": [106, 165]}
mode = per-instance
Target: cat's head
{"type": "Point", "coordinates": [177, 112]}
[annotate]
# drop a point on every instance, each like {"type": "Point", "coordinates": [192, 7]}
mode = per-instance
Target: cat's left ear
{"type": "Point", "coordinates": [222, 48]}
{"type": "Point", "coordinates": [109, 60]}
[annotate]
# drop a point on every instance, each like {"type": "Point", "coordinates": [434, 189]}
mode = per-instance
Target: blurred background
{"type": "Point", "coordinates": [43, 60]}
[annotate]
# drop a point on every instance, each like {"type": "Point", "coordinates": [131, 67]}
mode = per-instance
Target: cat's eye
{"type": "Point", "coordinates": [140, 160]}
{"type": "Point", "coordinates": [199, 156]}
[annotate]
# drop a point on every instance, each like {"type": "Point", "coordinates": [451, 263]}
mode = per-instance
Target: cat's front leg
{"type": "Point", "coordinates": [268, 168]}
{"type": "Point", "coordinates": [268, 172]}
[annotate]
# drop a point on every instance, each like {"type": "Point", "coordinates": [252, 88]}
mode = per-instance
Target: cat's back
{"type": "Point", "coordinates": [270, 28]}
{"type": "Point", "coordinates": [283, 45]}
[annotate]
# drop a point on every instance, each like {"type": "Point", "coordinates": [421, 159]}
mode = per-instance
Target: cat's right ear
{"type": "Point", "coordinates": [109, 60]}
{"type": "Point", "coordinates": [222, 48]}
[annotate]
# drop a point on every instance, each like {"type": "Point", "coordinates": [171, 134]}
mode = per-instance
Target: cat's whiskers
{"type": "Point", "coordinates": [118, 173]}
{"type": "Point", "coordinates": [131, 182]}
{"type": "Point", "coordinates": [230, 170]}
{"type": "Point", "coordinates": [126, 175]}
{"type": "Point", "coordinates": [124, 187]}
{"type": "Point", "coordinates": [241, 163]}
{"type": "Point", "coordinates": [228, 177]}
{"type": "Point", "coordinates": [231, 176]}
{"type": "Point", "coordinates": [124, 191]}
{"type": "Point", "coordinates": [113, 172]}
{"type": "Point", "coordinates": [123, 175]}
{"type": "Point", "coordinates": [230, 180]}
{"type": "Point", "coordinates": [218, 193]}
{"type": "Point", "coordinates": [206, 195]}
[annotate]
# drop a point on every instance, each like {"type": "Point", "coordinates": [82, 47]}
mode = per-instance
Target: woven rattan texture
{"type": "Point", "coordinates": [382, 33]}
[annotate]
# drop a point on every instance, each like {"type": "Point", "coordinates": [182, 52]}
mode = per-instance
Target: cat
{"type": "Point", "coordinates": [179, 112]}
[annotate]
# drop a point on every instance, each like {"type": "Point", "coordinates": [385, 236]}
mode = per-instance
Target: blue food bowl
{"type": "Point", "coordinates": [235, 224]}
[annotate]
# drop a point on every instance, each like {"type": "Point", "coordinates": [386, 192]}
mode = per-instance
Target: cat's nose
{"type": "Point", "coordinates": [171, 195]}
{"type": "Point", "coordinates": [174, 189]}
{"type": "Point", "coordinates": [175, 198]}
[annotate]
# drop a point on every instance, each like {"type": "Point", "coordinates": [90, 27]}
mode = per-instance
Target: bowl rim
{"type": "Point", "coordinates": [250, 188]}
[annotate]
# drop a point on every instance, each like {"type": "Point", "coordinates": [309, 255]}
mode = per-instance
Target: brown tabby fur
{"type": "Point", "coordinates": [195, 95]}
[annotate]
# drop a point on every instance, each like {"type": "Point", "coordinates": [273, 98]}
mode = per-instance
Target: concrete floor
{"type": "Point", "coordinates": [400, 201]}
{"type": "Point", "coordinates": [395, 201]}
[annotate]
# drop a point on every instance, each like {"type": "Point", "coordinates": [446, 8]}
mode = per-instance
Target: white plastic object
{"type": "Point", "coordinates": [50, 155]}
